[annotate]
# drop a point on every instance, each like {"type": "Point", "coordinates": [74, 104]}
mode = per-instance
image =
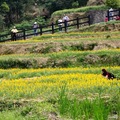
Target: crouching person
{"type": "Point", "coordinates": [108, 75]}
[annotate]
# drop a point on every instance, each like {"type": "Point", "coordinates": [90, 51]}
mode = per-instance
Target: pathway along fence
{"type": "Point", "coordinates": [52, 28]}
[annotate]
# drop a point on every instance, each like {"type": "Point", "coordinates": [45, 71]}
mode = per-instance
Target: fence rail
{"type": "Point", "coordinates": [52, 28]}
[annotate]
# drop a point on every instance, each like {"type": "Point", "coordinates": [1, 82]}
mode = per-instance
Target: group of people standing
{"type": "Point", "coordinates": [65, 19]}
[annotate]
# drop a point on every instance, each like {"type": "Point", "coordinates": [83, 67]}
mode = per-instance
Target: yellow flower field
{"type": "Point", "coordinates": [49, 84]}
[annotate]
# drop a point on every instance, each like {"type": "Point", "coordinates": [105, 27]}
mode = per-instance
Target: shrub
{"type": "Point", "coordinates": [75, 4]}
{"type": "Point", "coordinates": [113, 3]}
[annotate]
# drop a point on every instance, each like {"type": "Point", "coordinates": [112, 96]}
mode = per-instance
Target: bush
{"type": "Point", "coordinates": [113, 3]}
{"type": "Point", "coordinates": [75, 4]}
{"type": "Point", "coordinates": [24, 25]}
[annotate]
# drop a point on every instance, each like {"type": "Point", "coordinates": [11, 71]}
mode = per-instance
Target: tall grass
{"type": "Point", "coordinates": [94, 108]}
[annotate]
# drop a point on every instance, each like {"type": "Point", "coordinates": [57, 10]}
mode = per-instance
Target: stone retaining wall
{"type": "Point", "coordinates": [97, 16]}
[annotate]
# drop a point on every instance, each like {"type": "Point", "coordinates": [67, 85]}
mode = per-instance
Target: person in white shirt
{"type": "Point", "coordinates": [60, 24]}
{"type": "Point", "coordinates": [13, 33]}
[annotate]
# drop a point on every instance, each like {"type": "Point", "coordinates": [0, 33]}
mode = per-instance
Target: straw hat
{"type": "Point", "coordinates": [35, 22]}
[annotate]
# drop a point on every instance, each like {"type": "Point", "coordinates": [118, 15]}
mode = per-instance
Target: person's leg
{"type": "Point", "coordinates": [34, 31]}
{"type": "Point", "coordinates": [60, 27]}
{"type": "Point", "coordinates": [14, 37]}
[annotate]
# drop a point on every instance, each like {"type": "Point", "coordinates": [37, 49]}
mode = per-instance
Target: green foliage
{"type": "Point", "coordinates": [26, 111]}
{"type": "Point", "coordinates": [76, 109]}
{"type": "Point", "coordinates": [16, 63]}
{"type": "Point", "coordinates": [75, 4]}
{"type": "Point", "coordinates": [18, 110]}
{"type": "Point", "coordinates": [4, 7]}
{"type": "Point", "coordinates": [40, 21]}
{"type": "Point", "coordinates": [1, 22]}
{"type": "Point", "coordinates": [24, 25]}
{"type": "Point", "coordinates": [113, 3]}
{"type": "Point", "coordinates": [63, 100]}
{"type": "Point", "coordinates": [82, 9]}
{"type": "Point", "coordinates": [54, 5]}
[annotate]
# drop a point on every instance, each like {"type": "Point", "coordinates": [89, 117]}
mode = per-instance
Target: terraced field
{"type": "Point", "coordinates": [58, 77]}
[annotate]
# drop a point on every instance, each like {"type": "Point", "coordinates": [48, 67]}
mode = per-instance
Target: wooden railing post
{"type": "Point", "coordinates": [77, 23]}
{"type": "Point", "coordinates": [40, 30]}
{"type": "Point", "coordinates": [52, 28]}
{"type": "Point", "coordinates": [65, 24]}
{"type": "Point", "coordinates": [24, 37]}
{"type": "Point", "coordinates": [89, 21]}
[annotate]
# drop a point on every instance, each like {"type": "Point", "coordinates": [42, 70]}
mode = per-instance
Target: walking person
{"type": "Point", "coordinates": [60, 24]}
{"type": "Point", "coordinates": [65, 20]}
{"type": "Point", "coordinates": [14, 33]}
{"type": "Point", "coordinates": [35, 26]}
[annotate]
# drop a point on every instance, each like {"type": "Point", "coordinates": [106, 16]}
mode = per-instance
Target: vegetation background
{"type": "Point", "coordinates": [25, 12]}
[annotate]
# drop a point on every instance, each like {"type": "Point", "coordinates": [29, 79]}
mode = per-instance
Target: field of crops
{"type": "Point", "coordinates": [74, 91]}
{"type": "Point", "coordinates": [61, 86]}
{"type": "Point", "coordinates": [33, 83]}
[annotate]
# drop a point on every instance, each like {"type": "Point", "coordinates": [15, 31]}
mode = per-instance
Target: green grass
{"type": "Point", "coordinates": [94, 108]}
{"type": "Point", "coordinates": [67, 58]}
{"type": "Point", "coordinates": [83, 9]}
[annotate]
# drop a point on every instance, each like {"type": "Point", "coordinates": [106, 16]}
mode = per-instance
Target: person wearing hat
{"type": "Point", "coordinates": [35, 26]}
{"type": "Point", "coordinates": [14, 33]}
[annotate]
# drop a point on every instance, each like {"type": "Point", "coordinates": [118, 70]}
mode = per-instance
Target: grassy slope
{"type": "Point", "coordinates": [62, 50]}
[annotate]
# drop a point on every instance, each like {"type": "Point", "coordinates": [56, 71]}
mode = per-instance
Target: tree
{"type": "Point", "coordinates": [75, 4]}
{"type": "Point", "coordinates": [4, 7]}
{"type": "Point", "coordinates": [54, 5]}
{"type": "Point", "coordinates": [1, 22]}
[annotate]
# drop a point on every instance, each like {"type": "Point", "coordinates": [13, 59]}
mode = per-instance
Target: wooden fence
{"type": "Point", "coordinates": [52, 28]}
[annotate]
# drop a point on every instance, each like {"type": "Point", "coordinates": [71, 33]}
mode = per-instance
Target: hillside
{"type": "Point", "coordinates": [53, 50]}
